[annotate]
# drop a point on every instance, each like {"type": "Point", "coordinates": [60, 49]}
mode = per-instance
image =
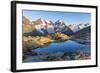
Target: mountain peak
{"type": "Point", "coordinates": [59, 22]}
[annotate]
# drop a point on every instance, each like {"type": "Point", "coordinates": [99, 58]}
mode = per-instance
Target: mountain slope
{"type": "Point", "coordinates": [84, 35]}
{"type": "Point", "coordinates": [26, 25]}
{"type": "Point", "coordinates": [60, 26]}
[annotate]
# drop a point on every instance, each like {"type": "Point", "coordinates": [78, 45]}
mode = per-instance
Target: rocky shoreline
{"type": "Point", "coordinates": [30, 55]}
{"type": "Point", "coordinates": [30, 42]}
{"type": "Point", "coordinates": [58, 56]}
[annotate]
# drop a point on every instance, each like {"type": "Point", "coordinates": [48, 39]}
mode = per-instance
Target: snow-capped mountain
{"type": "Point", "coordinates": [45, 27]}
{"type": "Point", "coordinates": [60, 26]}
{"type": "Point", "coordinates": [77, 27]}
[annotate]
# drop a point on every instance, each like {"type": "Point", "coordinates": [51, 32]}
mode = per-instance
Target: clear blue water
{"type": "Point", "coordinates": [57, 50]}
{"type": "Point", "coordinates": [65, 46]}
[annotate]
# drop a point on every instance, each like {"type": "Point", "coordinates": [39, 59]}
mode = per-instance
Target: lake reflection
{"type": "Point", "coordinates": [66, 46]}
{"type": "Point", "coordinates": [68, 50]}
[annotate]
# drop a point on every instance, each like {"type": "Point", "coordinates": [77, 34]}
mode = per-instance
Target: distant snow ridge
{"type": "Point", "coordinates": [77, 27]}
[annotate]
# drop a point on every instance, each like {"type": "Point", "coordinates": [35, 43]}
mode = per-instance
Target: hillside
{"type": "Point", "coordinates": [83, 36]}
{"type": "Point", "coordinates": [26, 27]}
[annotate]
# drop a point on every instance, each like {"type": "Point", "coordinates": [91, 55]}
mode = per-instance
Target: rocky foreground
{"type": "Point", "coordinates": [58, 56]}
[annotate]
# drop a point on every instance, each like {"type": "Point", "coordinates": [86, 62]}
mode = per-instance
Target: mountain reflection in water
{"type": "Point", "coordinates": [66, 46]}
{"type": "Point", "coordinates": [67, 50]}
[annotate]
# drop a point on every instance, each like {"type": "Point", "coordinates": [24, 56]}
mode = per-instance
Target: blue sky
{"type": "Point", "coordinates": [67, 17]}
